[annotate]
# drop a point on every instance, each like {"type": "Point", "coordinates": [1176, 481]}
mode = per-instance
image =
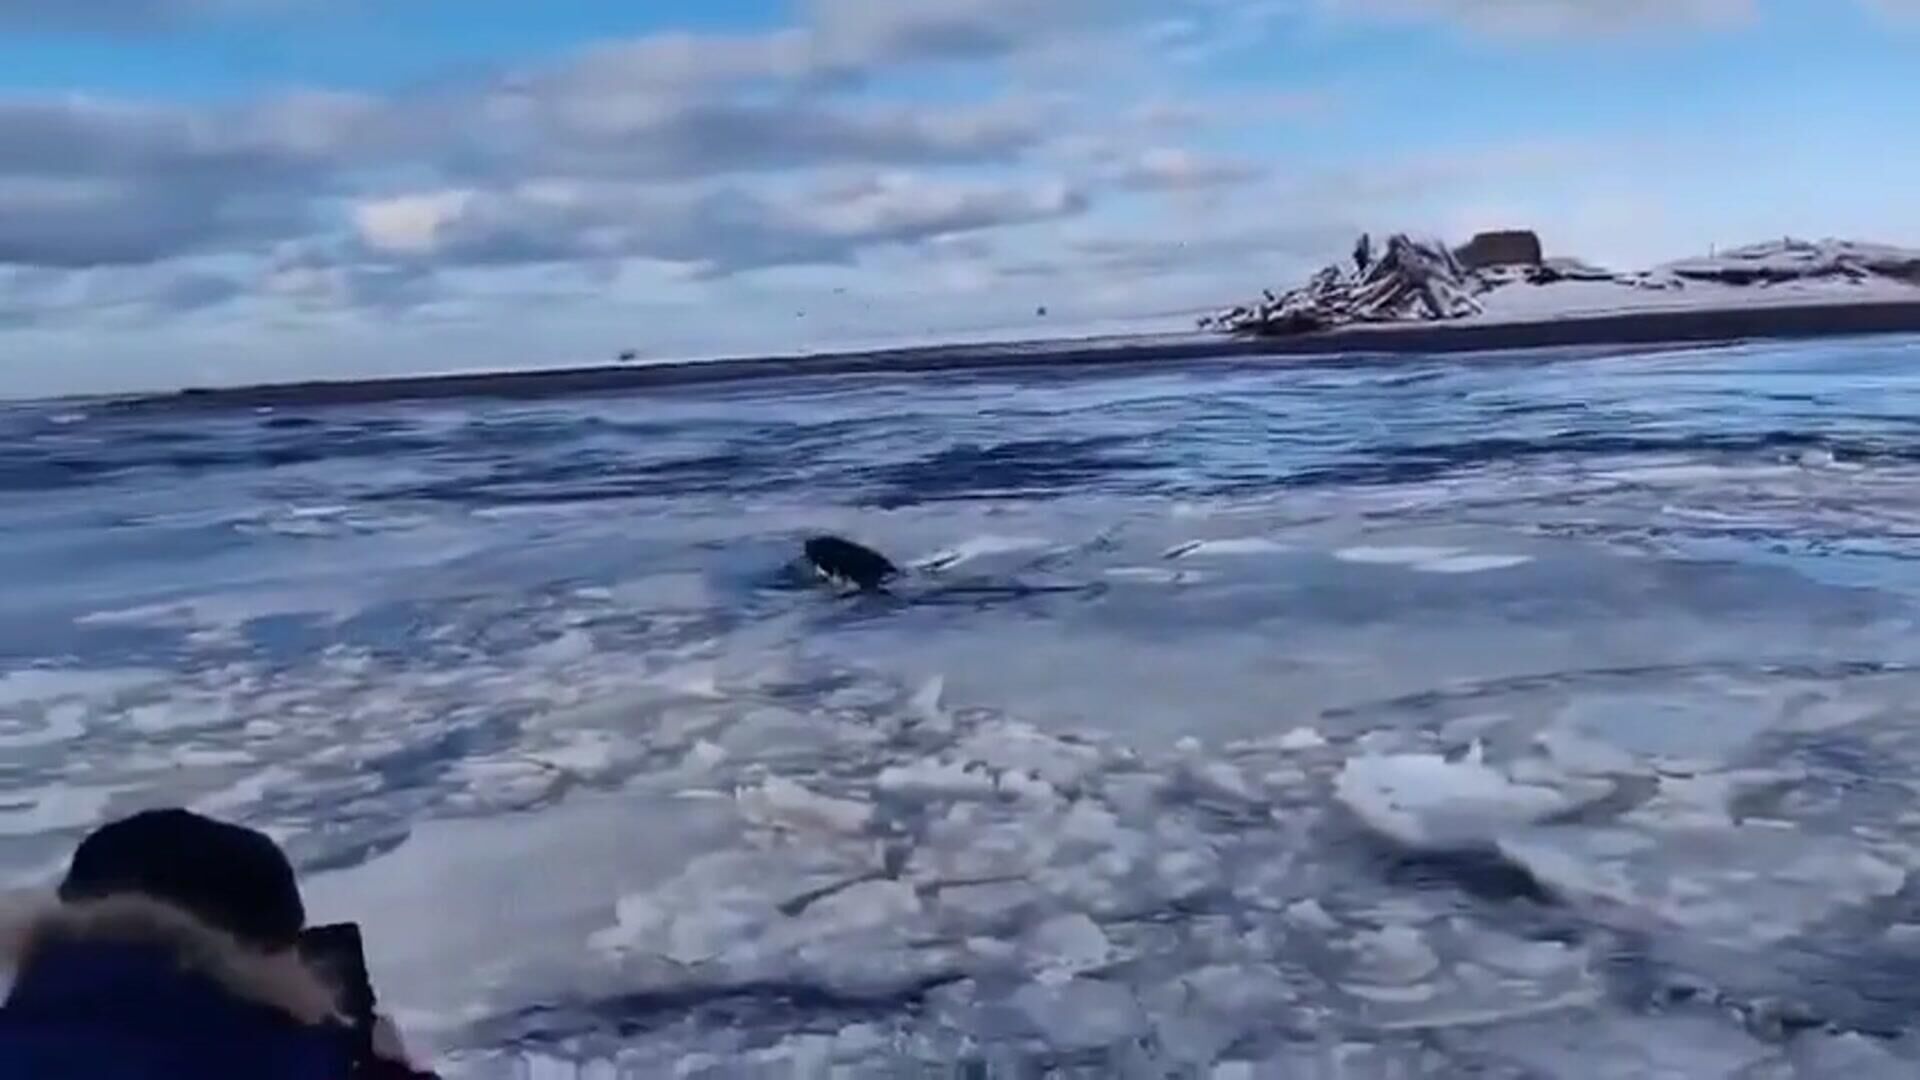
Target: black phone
{"type": "Point", "coordinates": [338, 956]}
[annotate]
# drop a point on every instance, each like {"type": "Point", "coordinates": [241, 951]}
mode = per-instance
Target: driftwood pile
{"type": "Point", "coordinates": [1412, 280]}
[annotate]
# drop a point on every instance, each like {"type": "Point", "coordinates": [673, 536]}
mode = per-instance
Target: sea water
{"type": "Point", "coordinates": [1543, 715]}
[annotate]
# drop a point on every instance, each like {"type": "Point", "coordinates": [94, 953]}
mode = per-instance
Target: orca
{"type": "Point", "coordinates": [849, 565]}
{"type": "Point", "coordinates": [860, 569]}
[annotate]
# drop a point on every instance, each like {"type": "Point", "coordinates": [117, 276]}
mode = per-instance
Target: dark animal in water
{"type": "Point", "coordinates": [847, 563]}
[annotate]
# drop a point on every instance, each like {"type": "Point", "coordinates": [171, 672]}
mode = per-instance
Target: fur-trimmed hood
{"type": "Point", "coordinates": [279, 981]}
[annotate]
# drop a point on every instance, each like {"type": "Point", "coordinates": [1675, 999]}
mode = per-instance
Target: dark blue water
{"type": "Point", "coordinates": [1539, 715]}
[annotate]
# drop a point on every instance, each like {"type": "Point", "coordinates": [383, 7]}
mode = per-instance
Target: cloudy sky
{"type": "Point", "coordinates": [216, 191]}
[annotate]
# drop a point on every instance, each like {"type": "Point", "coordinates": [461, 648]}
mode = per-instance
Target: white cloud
{"type": "Point", "coordinates": [544, 129]}
{"type": "Point", "coordinates": [897, 206]}
{"type": "Point", "coordinates": [1069, 148]}
{"type": "Point", "coordinates": [866, 30]}
{"type": "Point", "coordinates": [715, 231]}
{"type": "Point", "coordinates": [86, 182]}
{"type": "Point", "coordinates": [1557, 17]}
{"type": "Point", "coordinates": [1167, 168]}
{"type": "Point", "coordinates": [409, 224]}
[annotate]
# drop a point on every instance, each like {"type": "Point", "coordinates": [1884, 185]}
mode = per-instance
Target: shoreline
{"type": "Point", "coordinates": [1650, 328]}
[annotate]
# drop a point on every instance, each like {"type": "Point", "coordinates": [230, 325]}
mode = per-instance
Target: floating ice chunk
{"type": "Point", "coordinates": [857, 1040]}
{"type": "Point", "coordinates": [783, 804]}
{"type": "Point", "coordinates": [928, 708]}
{"type": "Point", "coordinates": [869, 905]}
{"type": "Point", "coordinates": [1475, 996]}
{"type": "Point", "coordinates": [1202, 1013]}
{"type": "Point", "coordinates": [1703, 800]}
{"type": "Point", "coordinates": [1022, 749]}
{"type": "Point", "coordinates": [1819, 1054]}
{"type": "Point", "coordinates": [591, 755]}
{"type": "Point", "coordinates": [1302, 738]}
{"type": "Point", "coordinates": [1221, 781]}
{"type": "Point", "coordinates": [191, 713]}
{"type": "Point", "coordinates": [1089, 823]}
{"type": "Point", "coordinates": [963, 850]}
{"type": "Point", "coordinates": [725, 902]}
{"type": "Point", "coordinates": [1395, 556]}
{"type": "Point", "coordinates": [206, 757]}
{"type": "Point", "coordinates": [30, 685]}
{"type": "Point", "coordinates": [929, 780]}
{"type": "Point", "coordinates": [245, 793]}
{"type": "Point", "coordinates": [1183, 875]}
{"type": "Point", "coordinates": [502, 785]}
{"type": "Point", "coordinates": [1309, 915]}
{"type": "Point", "coordinates": [1027, 787]}
{"type": "Point", "coordinates": [1743, 886]}
{"type": "Point", "coordinates": [691, 680]}
{"type": "Point", "coordinates": [1249, 990]}
{"type": "Point", "coordinates": [1528, 959]}
{"type": "Point", "coordinates": [1575, 754]}
{"type": "Point", "coordinates": [1471, 564]}
{"type": "Point", "coordinates": [1066, 946]}
{"type": "Point", "coordinates": [570, 647]}
{"type": "Point", "coordinates": [51, 809]}
{"type": "Point", "coordinates": [1082, 1014]}
{"type": "Point", "coordinates": [1604, 1046]}
{"type": "Point", "coordinates": [1426, 801]}
{"type": "Point", "coordinates": [1393, 956]}
{"type": "Point", "coordinates": [1221, 549]}
{"type": "Point", "coordinates": [985, 906]}
{"type": "Point", "coordinates": [979, 547]}
{"type": "Point", "coordinates": [1399, 975]}
{"type": "Point", "coordinates": [1154, 575]}
{"type": "Point", "coordinates": [704, 756]}
{"type": "Point", "coordinates": [1298, 740]}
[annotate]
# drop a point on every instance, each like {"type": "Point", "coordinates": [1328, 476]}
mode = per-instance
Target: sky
{"type": "Point", "coordinates": [205, 192]}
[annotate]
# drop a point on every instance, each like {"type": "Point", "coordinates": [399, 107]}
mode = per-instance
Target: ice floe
{"type": "Point", "coordinates": [1227, 548]}
{"type": "Point", "coordinates": [1426, 801]}
{"type": "Point", "coordinates": [1431, 560]}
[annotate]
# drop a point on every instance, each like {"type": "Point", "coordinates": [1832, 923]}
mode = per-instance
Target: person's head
{"type": "Point", "coordinates": [231, 878]}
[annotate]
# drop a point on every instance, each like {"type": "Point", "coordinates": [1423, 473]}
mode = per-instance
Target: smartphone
{"type": "Point", "coordinates": [337, 955]}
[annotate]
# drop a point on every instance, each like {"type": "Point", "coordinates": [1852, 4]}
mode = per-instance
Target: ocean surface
{"type": "Point", "coordinates": [1547, 715]}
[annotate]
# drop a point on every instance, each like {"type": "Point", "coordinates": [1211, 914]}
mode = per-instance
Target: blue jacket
{"type": "Point", "coordinates": [136, 1007]}
{"type": "Point", "coordinates": [129, 1012]}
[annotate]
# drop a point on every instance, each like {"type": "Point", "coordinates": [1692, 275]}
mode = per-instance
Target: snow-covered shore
{"type": "Point", "coordinates": [1416, 281]}
{"type": "Point", "coordinates": [1691, 303]}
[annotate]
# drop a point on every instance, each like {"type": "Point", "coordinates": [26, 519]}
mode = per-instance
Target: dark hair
{"type": "Point", "coordinates": [232, 878]}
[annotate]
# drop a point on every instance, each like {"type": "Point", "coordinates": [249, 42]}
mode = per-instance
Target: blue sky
{"type": "Point", "coordinates": [215, 191]}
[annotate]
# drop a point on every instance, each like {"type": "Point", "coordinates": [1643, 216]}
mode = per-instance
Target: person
{"type": "Point", "coordinates": [171, 954]}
